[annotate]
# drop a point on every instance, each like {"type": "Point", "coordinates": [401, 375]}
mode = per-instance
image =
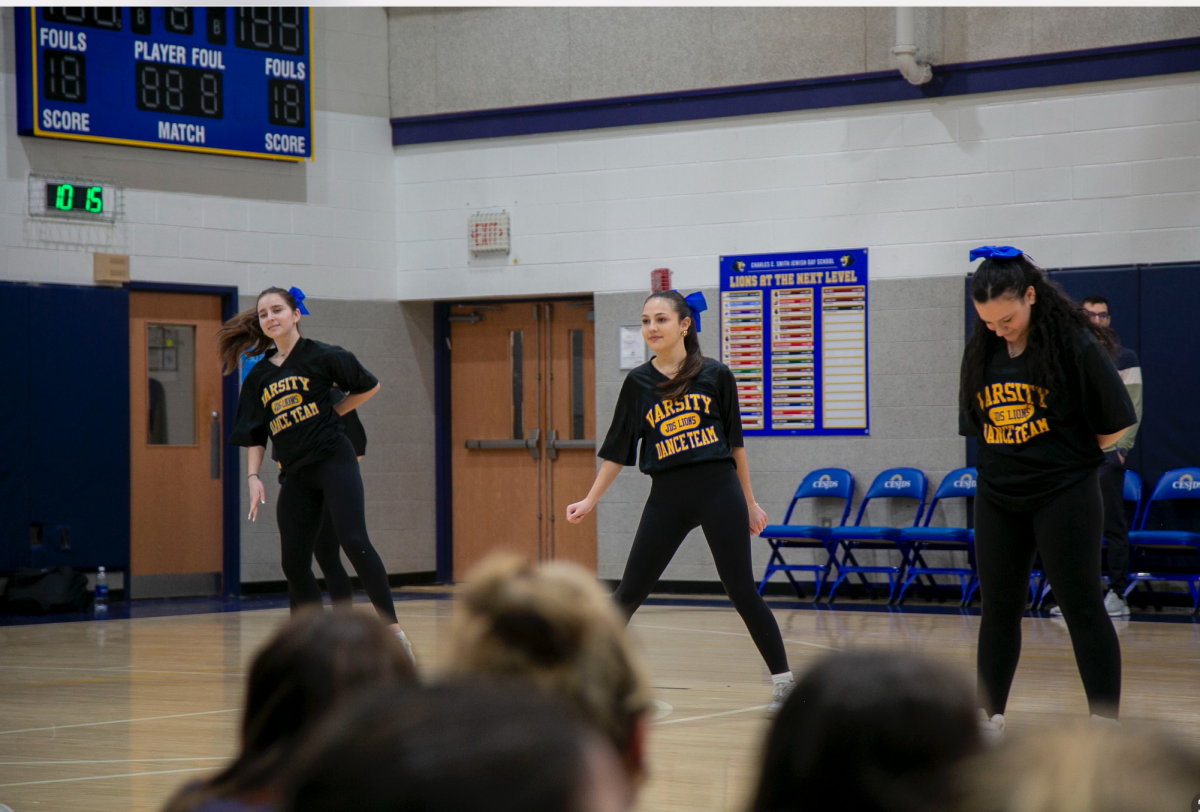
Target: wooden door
{"type": "Point", "coordinates": [519, 371]}
{"type": "Point", "coordinates": [175, 444]}
{"type": "Point", "coordinates": [571, 429]}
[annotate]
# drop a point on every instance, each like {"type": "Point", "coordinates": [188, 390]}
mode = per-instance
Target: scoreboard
{"type": "Point", "coordinates": [230, 81]}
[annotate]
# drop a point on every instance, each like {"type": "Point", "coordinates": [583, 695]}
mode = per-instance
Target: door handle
{"type": "Point", "coordinates": [531, 444]}
{"type": "Point", "coordinates": [214, 443]}
{"type": "Point", "coordinates": [553, 444]}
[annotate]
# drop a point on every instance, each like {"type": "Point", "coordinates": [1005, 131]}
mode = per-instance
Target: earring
{"type": "Point", "coordinates": [685, 333]}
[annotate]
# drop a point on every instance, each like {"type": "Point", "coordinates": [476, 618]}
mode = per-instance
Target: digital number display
{"type": "Point", "coordinates": [183, 91]}
{"type": "Point", "coordinates": [270, 29]}
{"type": "Point", "coordinates": [101, 17]}
{"type": "Point", "coordinates": [205, 79]}
{"type": "Point", "coordinates": [64, 76]}
{"type": "Point", "coordinates": [68, 197]}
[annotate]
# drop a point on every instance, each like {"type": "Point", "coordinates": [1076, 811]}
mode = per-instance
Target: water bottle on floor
{"type": "Point", "coordinates": [100, 600]}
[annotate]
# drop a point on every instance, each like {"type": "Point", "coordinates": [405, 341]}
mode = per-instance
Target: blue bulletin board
{"type": "Point", "coordinates": [224, 80]}
{"type": "Point", "coordinates": [794, 334]}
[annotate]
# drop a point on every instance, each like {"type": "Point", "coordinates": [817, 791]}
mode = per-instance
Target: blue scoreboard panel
{"type": "Point", "coordinates": [232, 81]}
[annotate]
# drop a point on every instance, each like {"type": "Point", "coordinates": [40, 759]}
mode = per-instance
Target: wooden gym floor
{"type": "Point", "coordinates": [117, 714]}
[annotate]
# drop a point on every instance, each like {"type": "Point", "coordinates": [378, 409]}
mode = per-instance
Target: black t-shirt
{"type": "Point", "coordinates": [352, 427]}
{"type": "Point", "coordinates": [1033, 443]}
{"type": "Point", "coordinates": [702, 426]}
{"type": "Point", "coordinates": [291, 404]}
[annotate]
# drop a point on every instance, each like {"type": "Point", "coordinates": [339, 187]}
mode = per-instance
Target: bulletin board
{"type": "Point", "coordinates": [794, 334]}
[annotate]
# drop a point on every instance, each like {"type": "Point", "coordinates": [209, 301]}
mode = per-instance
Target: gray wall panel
{"type": "Point", "coordinates": [916, 343]}
{"type": "Point", "coordinates": [445, 60]}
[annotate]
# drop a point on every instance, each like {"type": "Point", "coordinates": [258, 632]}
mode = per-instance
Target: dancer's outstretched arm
{"type": "Point", "coordinates": [604, 477]}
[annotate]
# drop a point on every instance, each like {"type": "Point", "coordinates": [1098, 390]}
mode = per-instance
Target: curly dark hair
{"type": "Point", "coordinates": [1056, 325]}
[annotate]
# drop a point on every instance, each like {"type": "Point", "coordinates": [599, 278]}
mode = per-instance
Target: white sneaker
{"type": "Point", "coordinates": [407, 647]}
{"type": "Point", "coordinates": [992, 729]}
{"type": "Point", "coordinates": [1115, 605]}
{"type": "Point", "coordinates": [782, 691]}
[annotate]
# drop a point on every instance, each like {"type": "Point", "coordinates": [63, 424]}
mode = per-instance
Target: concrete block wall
{"type": "Point", "coordinates": [455, 59]}
{"type": "Point", "coordinates": [916, 340]}
{"type": "Point", "coordinates": [1098, 174]}
{"type": "Point", "coordinates": [395, 342]}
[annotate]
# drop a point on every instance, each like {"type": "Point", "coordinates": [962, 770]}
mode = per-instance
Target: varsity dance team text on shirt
{"type": "Point", "coordinates": [287, 397]}
{"type": "Point", "coordinates": [1040, 391]}
{"type": "Point", "coordinates": [682, 409]}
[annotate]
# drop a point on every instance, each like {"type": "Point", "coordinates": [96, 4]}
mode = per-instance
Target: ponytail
{"type": "Point", "coordinates": [243, 335]}
{"type": "Point", "coordinates": [690, 369]}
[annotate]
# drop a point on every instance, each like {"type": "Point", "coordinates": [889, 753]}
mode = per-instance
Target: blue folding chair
{"type": "Point", "coordinates": [894, 483]}
{"type": "Point", "coordinates": [958, 484]}
{"type": "Point", "coordinates": [825, 483]}
{"type": "Point", "coordinates": [1181, 483]}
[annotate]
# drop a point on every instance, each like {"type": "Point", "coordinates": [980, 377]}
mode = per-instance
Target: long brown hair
{"type": "Point", "coordinates": [243, 335]}
{"type": "Point", "coordinates": [678, 386]}
{"type": "Point", "coordinates": [1056, 324]}
{"type": "Point", "coordinates": [314, 663]}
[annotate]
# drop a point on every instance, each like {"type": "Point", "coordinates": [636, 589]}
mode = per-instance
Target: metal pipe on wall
{"type": "Point", "coordinates": [905, 50]}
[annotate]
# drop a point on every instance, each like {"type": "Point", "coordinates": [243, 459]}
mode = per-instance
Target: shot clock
{"type": "Point", "coordinates": [70, 197]}
{"type": "Point", "coordinates": [232, 81]}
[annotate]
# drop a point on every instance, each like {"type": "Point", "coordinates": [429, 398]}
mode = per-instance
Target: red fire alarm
{"type": "Point", "coordinates": [660, 280]}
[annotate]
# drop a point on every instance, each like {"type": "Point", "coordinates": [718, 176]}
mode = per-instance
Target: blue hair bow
{"type": "Point", "coordinates": [697, 305]}
{"type": "Point", "coordinates": [298, 295]}
{"type": "Point", "coordinates": [989, 251]}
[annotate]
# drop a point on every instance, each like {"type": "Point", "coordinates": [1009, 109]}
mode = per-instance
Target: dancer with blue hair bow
{"type": "Point", "coordinates": [287, 396]}
{"type": "Point", "coordinates": [681, 409]}
{"type": "Point", "coordinates": [1039, 391]}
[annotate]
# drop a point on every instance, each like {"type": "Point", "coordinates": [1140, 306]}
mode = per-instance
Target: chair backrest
{"type": "Point", "coordinates": [1180, 483]}
{"type": "Point", "coordinates": [896, 483]}
{"type": "Point", "coordinates": [959, 483]}
{"type": "Point", "coordinates": [825, 483]}
{"type": "Point", "coordinates": [1131, 491]}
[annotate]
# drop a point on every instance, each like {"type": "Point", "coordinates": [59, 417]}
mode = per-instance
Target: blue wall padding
{"type": "Point", "coordinates": [73, 367]}
{"type": "Point", "coordinates": [14, 426]}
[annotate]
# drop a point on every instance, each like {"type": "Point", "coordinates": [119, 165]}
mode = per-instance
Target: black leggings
{"type": "Point", "coordinates": [328, 553]}
{"type": "Point", "coordinates": [706, 495]}
{"type": "Point", "coordinates": [334, 483]}
{"type": "Point", "coordinates": [1066, 532]}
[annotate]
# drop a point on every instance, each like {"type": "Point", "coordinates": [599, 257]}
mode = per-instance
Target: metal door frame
{"type": "Point", "coordinates": [443, 476]}
{"type": "Point", "coordinates": [231, 528]}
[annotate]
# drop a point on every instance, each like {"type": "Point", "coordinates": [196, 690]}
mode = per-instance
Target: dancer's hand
{"type": "Point", "coordinates": [758, 520]}
{"type": "Point", "coordinates": [576, 511]}
{"type": "Point", "coordinates": [258, 496]}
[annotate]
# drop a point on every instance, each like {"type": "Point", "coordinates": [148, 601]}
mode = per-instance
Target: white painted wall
{"type": "Point", "coordinates": [1105, 173]}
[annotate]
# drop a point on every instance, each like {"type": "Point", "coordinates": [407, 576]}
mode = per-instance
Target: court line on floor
{"type": "Point", "coordinates": [731, 634]}
{"type": "Point", "coordinates": [711, 715]}
{"type": "Point", "coordinates": [109, 761]}
{"type": "Point", "coordinates": [128, 669]}
{"type": "Point", "coordinates": [118, 722]}
{"type": "Point", "coordinates": [103, 777]}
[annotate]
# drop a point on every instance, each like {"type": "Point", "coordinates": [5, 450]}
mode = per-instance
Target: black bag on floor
{"type": "Point", "coordinates": [56, 589]}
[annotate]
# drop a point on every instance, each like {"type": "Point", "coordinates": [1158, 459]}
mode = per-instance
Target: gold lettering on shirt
{"type": "Point", "coordinates": [1009, 409]}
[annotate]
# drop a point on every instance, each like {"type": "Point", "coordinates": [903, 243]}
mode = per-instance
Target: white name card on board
{"type": "Point", "coordinates": [631, 349]}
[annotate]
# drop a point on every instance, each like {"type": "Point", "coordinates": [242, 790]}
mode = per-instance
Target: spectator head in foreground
{"type": "Point", "coordinates": [456, 747]}
{"type": "Point", "coordinates": [869, 732]}
{"type": "Point", "coordinates": [554, 625]}
{"type": "Point", "coordinates": [317, 660]}
{"type": "Point", "coordinates": [1082, 767]}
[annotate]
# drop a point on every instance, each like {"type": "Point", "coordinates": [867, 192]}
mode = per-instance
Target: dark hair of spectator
{"type": "Point", "coordinates": [446, 748]}
{"type": "Point", "coordinates": [1095, 299]}
{"type": "Point", "coordinates": [868, 732]}
{"type": "Point", "coordinates": [1056, 325]}
{"type": "Point", "coordinates": [317, 660]}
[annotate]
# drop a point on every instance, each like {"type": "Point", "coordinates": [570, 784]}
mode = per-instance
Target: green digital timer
{"type": "Point", "coordinates": [72, 197]}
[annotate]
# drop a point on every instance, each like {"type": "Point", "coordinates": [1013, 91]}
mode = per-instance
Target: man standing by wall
{"type": "Point", "coordinates": [1112, 472]}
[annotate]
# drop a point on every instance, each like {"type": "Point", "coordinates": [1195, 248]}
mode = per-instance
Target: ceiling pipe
{"type": "Point", "coordinates": [905, 51]}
